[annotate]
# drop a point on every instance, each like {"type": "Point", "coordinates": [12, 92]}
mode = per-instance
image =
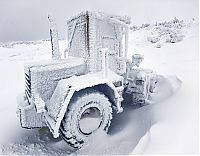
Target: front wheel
{"type": "Point", "coordinates": [88, 111]}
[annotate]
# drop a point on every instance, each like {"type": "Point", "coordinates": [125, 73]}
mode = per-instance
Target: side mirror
{"type": "Point", "coordinates": [137, 59]}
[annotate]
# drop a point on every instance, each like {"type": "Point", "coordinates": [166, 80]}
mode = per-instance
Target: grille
{"type": "Point", "coordinates": [28, 86]}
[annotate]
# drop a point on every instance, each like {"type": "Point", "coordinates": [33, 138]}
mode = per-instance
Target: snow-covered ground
{"type": "Point", "coordinates": [168, 127]}
{"type": "Point", "coordinates": [176, 127]}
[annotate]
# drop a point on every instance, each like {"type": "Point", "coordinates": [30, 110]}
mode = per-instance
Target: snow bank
{"type": "Point", "coordinates": [166, 86]}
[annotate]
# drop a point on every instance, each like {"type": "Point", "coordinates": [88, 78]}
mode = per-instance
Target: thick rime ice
{"type": "Point", "coordinates": [96, 42]}
{"type": "Point", "coordinates": [141, 82]}
{"type": "Point", "coordinates": [89, 32]}
{"type": "Point", "coordinates": [42, 78]}
{"type": "Point", "coordinates": [66, 88]}
{"type": "Point", "coordinates": [54, 38]}
{"type": "Point", "coordinates": [28, 116]}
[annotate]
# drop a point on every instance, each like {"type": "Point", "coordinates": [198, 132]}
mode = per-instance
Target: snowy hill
{"type": "Point", "coordinates": [168, 127]}
{"type": "Point", "coordinates": [162, 33]}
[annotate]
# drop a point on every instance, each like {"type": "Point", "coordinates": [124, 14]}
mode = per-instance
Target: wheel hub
{"type": "Point", "coordinates": [90, 120]}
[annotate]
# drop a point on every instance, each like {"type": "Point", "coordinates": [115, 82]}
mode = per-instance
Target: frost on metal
{"type": "Point", "coordinates": [89, 32]}
{"type": "Point", "coordinates": [28, 116]}
{"type": "Point", "coordinates": [42, 78]}
{"type": "Point", "coordinates": [96, 66]}
{"type": "Point", "coordinates": [141, 84]}
{"type": "Point", "coordinates": [54, 38]}
{"type": "Point", "coordinates": [67, 87]}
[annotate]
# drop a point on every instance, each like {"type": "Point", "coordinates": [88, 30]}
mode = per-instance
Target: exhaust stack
{"type": "Point", "coordinates": [104, 53]}
{"type": "Point", "coordinates": [56, 55]}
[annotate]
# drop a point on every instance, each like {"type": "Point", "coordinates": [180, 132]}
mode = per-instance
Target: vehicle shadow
{"type": "Point", "coordinates": [135, 121]}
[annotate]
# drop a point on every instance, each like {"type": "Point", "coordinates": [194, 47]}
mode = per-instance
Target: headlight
{"type": "Point", "coordinates": [118, 84]}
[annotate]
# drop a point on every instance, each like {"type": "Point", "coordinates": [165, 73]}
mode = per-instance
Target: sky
{"type": "Point", "coordinates": [26, 20]}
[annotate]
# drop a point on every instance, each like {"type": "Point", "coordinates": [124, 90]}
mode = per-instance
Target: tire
{"type": "Point", "coordinates": [82, 102]}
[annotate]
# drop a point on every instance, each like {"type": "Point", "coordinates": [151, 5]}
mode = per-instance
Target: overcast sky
{"type": "Point", "coordinates": [27, 19]}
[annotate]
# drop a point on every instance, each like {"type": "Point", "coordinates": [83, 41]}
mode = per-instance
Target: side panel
{"type": "Point", "coordinates": [44, 80]}
{"type": "Point", "coordinates": [29, 118]}
{"type": "Point", "coordinates": [41, 81]}
{"type": "Point", "coordinates": [77, 37]}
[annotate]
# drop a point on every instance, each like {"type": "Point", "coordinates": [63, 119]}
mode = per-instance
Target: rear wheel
{"type": "Point", "coordinates": [88, 112]}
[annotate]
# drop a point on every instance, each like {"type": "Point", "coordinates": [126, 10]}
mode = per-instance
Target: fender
{"type": "Point", "coordinates": [58, 104]}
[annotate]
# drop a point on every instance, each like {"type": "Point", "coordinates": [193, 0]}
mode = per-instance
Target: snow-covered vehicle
{"type": "Point", "coordinates": [77, 95]}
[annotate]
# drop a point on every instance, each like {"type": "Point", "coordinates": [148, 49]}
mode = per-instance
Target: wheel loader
{"type": "Point", "coordinates": [77, 94]}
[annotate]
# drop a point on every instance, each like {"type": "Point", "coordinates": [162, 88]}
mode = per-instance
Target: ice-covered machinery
{"type": "Point", "coordinates": [62, 94]}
